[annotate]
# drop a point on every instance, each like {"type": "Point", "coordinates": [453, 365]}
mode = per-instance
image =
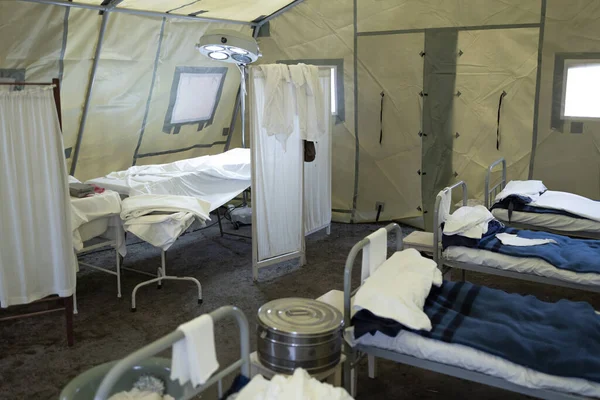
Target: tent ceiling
{"type": "Point", "coordinates": [235, 10]}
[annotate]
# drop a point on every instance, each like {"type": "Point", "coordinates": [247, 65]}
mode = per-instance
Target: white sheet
{"type": "Point", "coordinates": [105, 205]}
{"type": "Point", "coordinates": [569, 202]}
{"type": "Point", "coordinates": [160, 230]}
{"type": "Point", "coordinates": [215, 179]}
{"type": "Point", "coordinates": [317, 174]}
{"type": "Point", "coordinates": [36, 246]}
{"type": "Point", "coordinates": [474, 360]}
{"type": "Point", "coordinates": [527, 265]}
{"type": "Point", "coordinates": [398, 288]}
{"type": "Point", "coordinates": [298, 386]}
{"type": "Point", "coordinates": [549, 221]}
{"type": "Point", "coordinates": [277, 196]}
{"type": "Point", "coordinates": [139, 206]}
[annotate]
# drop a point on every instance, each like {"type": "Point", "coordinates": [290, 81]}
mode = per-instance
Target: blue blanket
{"type": "Point", "coordinates": [520, 203]}
{"type": "Point", "coordinates": [561, 339]}
{"type": "Point", "coordinates": [578, 255]}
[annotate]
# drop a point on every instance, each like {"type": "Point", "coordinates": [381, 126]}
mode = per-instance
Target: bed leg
{"type": "Point", "coordinates": [463, 275]}
{"type": "Point", "coordinates": [350, 377]}
{"type": "Point", "coordinates": [68, 302]}
{"type": "Point", "coordinates": [328, 230]}
{"type": "Point", "coordinates": [118, 260]}
{"type": "Point", "coordinates": [162, 271]}
{"type": "Point", "coordinates": [372, 361]}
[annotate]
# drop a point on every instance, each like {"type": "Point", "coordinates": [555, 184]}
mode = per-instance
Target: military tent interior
{"type": "Point", "coordinates": [419, 95]}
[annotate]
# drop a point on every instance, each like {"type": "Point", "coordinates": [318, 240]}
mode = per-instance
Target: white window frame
{"type": "Point", "coordinates": [174, 126]}
{"type": "Point", "coordinates": [568, 64]}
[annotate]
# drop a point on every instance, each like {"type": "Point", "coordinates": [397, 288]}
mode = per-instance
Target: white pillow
{"type": "Point", "coordinates": [530, 189]}
{"type": "Point", "coordinates": [468, 221]}
{"type": "Point", "coordinates": [398, 289]}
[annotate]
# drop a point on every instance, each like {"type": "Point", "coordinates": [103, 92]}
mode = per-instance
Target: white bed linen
{"type": "Point", "coordinates": [215, 179]}
{"type": "Point", "coordinates": [549, 221]}
{"type": "Point", "coordinates": [527, 265]}
{"type": "Point", "coordinates": [475, 360]}
{"type": "Point", "coordinates": [104, 206]}
{"type": "Point", "coordinates": [160, 230]}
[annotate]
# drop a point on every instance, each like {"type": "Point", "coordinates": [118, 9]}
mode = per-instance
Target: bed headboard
{"type": "Point", "coordinates": [443, 203]}
{"type": "Point", "coordinates": [491, 193]}
{"type": "Point", "coordinates": [348, 292]}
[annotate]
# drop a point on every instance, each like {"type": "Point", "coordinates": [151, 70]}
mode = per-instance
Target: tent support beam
{"type": "Point", "coordinates": [278, 13]}
{"type": "Point", "coordinates": [88, 94]}
{"type": "Point", "coordinates": [536, 109]}
{"type": "Point", "coordinates": [450, 29]}
{"type": "Point", "coordinates": [154, 14]}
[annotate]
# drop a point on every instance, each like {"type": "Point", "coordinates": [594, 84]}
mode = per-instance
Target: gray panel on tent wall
{"type": "Point", "coordinates": [439, 79]}
{"type": "Point", "coordinates": [13, 75]}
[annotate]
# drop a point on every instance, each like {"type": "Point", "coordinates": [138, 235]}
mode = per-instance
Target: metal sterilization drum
{"type": "Point", "coordinates": [299, 333]}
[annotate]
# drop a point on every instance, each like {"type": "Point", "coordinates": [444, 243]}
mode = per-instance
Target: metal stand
{"type": "Point", "coordinates": [161, 274]}
{"type": "Point", "coordinates": [117, 271]}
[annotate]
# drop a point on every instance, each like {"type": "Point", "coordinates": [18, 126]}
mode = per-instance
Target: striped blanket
{"type": "Point", "coordinates": [561, 339]}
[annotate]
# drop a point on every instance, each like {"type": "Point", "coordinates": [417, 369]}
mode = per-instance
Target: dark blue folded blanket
{"type": "Point", "coordinates": [520, 203]}
{"type": "Point", "coordinates": [561, 339]}
{"type": "Point", "coordinates": [578, 255]}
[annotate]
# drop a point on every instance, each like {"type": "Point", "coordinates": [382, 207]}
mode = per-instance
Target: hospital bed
{"type": "Point", "coordinates": [485, 261]}
{"type": "Point", "coordinates": [446, 358]}
{"type": "Point", "coordinates": [538, 218]}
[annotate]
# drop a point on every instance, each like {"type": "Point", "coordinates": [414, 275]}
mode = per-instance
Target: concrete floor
{"type": "Point", "coordinates": [35, 362]}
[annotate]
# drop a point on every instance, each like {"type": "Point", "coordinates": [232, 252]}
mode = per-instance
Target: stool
{"type": "Point", "coordinates": [420, 241]}
{"type": "Point", "coordinates": [332, 376]}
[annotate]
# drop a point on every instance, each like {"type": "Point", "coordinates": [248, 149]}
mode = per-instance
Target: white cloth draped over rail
{"type": "Point", "coordinates": [36, 246]}
{"type": "Point", "coordinates": [282, 105]}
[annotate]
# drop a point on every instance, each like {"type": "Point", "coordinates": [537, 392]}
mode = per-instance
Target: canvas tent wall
{"type": "Point", "coordinates": [419, 81]}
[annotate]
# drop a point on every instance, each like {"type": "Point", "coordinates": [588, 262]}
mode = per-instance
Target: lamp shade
{"type": "Point", "coordinates": [229, 46]}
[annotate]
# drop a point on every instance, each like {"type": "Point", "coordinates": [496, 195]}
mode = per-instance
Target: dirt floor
{"type": "Point", "coordinates": [35, 362]}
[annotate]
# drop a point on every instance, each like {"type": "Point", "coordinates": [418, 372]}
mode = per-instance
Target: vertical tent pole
{"type": "Point", "coordinates": [88, 95]}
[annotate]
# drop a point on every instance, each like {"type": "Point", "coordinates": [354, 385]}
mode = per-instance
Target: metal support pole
{"type": "Point", "coordinates": [143, 13]}
{"type": "Point", "coordinates": [88, 95]}
{"type": "Point", "coordinates": [243, 94]}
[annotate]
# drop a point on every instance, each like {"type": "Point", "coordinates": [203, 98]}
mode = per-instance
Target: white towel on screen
{"type": "Point", "coordinates": [374, 254]}
{"type": "Point", "coordinates": [195, 357]}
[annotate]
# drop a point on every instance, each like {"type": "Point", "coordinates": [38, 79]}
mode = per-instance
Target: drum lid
{"type": "Point", "coordinates": [300, 317]}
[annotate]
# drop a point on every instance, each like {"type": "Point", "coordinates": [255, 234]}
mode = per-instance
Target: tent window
{"type": "Point", "coordinates": [195, 95]}
{"type": "Point", "coordinates": [12, 75]}
{"type": "Point", "coordinates": [337, 80]}
{"type": "Point", "coordinates": [581, 90]}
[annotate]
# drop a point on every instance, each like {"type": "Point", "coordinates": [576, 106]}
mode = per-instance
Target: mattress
{"type": "Point", "coordinates": [528, 265]}
{"type": "Point", "coordinates": [549, 221]}
{"type": "Point", "coordinates": [216, 179]}
{"type": "Point", "coordinates": [414, 345]}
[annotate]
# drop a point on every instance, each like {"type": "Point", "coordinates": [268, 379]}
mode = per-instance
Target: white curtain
{"type": "Point", "coordinates": [317, 174]}
{"type": "Point", "coordinates": [277, 190]}
{"type": "Point", "coordinates": [290, 197]}
{"type": "Point", "coordinates": [36, 247]}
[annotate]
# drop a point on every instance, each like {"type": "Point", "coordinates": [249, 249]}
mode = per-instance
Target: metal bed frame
{"type": "Point", "coordinates": [492, 192]}
{"type": "Point", "coordinates": [439, 258]}
{"type": "Point", "coordinates": [353, 355]}
{"type": "Point", "coordinates": [243, 363]}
